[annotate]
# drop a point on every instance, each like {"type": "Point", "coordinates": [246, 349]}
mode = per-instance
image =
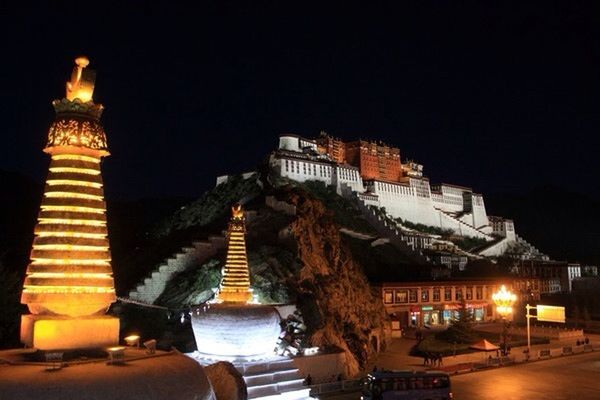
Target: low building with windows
{"type": "Point", "coordinates": [436, 303]}
{"type": "Point", "coordinates": [557, 276]}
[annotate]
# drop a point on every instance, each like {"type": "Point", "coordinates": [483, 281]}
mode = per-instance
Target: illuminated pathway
{"type": "Point", "coordinates": [563, 378]}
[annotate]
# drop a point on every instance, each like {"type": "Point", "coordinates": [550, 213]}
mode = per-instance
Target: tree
{"type": "Point", "coordinates": [461, 327]}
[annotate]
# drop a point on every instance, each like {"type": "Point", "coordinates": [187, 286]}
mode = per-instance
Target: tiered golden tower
{"type": "Point", "coordinates": [235, 286]}
{"type": "Point", "coordinates": [69, 283]}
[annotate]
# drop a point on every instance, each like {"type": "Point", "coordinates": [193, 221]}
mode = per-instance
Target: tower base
{"type": "Point", "coordinates": [49, 332]}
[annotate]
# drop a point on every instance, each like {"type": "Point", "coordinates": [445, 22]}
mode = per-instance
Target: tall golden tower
{"type": "Point", "coordinates": [235, 286]}
{"type": "Point", "coordinates": [69, 283]}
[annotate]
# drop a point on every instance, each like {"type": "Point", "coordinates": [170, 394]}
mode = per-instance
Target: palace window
{"type": "Point", "coordinates": [401, 296]}
{"type": "Point", "coordinates": [436, 294]}
{"type": "Point", "coordinates": [458, 294]}
{"type": "Point", "coordinates": [424, 295]}
{"type": "Point", "coordinates": [479, 293]}
{"type": "Point", "coordinates": [287, 165]}
{"type": "Point", "coordinates": [388, 296]}
{"type": "Point", "coordinates": [469, 293]}
{"type": "Point", "coordinates": [412, 295]}
{"type": "Point", "coordinates": [447, 294]}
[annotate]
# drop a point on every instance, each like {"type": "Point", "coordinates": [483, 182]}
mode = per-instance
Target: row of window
{"type": "Point", "coordinates": [402, 296]}
{"type": "Point", "coordinates": [318, 170]}
{"type": "Point", "coordinates": [307, 168]}
{"type": "Point", "coordinates": [350, 175]}
{"type": "Point", "coordinates": [387, 187]}
{"type": "Point", "coordinates": [448, 200]}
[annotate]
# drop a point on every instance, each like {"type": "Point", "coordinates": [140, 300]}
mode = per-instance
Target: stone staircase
{"type": "Point", "coordinates": [154, 284]}
{"type": "Point", "coordinates": [277, 378]}
{"type": "Point", "coordinates": [391, 230]}
{"type": "Point", "coordinates": [532, 251]}
{"type": "Point", "coordinates": [465, 229]}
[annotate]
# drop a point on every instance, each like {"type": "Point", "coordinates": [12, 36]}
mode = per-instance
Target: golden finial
{"type": "Point", "coordinates": [82, 81]}
{"type": "Point", "coordinates": [237, 212]}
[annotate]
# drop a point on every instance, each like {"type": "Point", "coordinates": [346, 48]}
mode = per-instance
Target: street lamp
{"type": "Point", "coordinates": [504, 301]}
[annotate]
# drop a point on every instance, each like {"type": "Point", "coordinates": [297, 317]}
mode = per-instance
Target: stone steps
{"type": "Point", "coordinates": [470, 229]}
{"type": "Point", "coordinates": [534, 251]}
{"type": "Point", "coordinates": [155, 283]}
{"type": "Point", "coordinates": [273, 379]}
{"type": "Point", "coordinates": [384, 229]}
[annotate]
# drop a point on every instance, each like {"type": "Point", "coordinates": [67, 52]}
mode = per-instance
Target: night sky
{"type": "Point", "coordinates": [500, 98]}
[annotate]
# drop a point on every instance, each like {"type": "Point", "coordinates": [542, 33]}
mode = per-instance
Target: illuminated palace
{"type": "Point", "coordinates": [373, 174]}
{"type": "Point", "coordinates": [69, 283]}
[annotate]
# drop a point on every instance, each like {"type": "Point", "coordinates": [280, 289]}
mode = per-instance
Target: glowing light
{"type": "Point", "coordinates": [69, 247]}
{"type": "Point", "coordinates": [71, 195]}
{"type": "Point", "coordinates": [132, 340]}
{"type": "Point", "coordinates": [75, 170]}
{"type": "Point", "coordinates": [311, 351]}
{"type": "Point", "coordinates": [84, 275]}
{"type": "Point", "coordinates": [504, 301]}
{"type": "Point", "coordinates": [56, 289]}
{"type": "Point", "coordinates": [69, 261]}
{"type": "Point", "coordinates": [80, 235]}
{"type": "Point", "coordinates": [73, 209]}
{"type": "Point", "coordinates": [64, 221]}
{"type": "Point", "coordinates": [75, 157]}
{"type": "Point", "coordinates": [55, 182]}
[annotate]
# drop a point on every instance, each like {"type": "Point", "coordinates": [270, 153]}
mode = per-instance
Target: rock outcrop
{"type": "Point", "coordinates": [226, 381]}
{"type": "Point", "coordinates": [333, 294]}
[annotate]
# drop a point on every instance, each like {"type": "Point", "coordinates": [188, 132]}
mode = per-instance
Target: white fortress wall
{"type": "Point", "coordinates": [480, 218]}
{"type": "Point", "coordinates": [414, 203]}
{"type": "Point", "coordinates": [290, 143]}
{"type": "Point", "coordinates": [401, 201]}
{"type": "Point", "coordinates": [497, 249]}
{"type": "Point", "coordinates": [345, 174]}
{"type": "Point", "coordinates": [459, 227]}
{"type": "Point", "coordinates": [302, 170]}
{"type": "Point", "coordinates": [450, 198]}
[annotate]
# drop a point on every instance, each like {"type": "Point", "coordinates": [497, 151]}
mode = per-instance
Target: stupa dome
{"type": "Point", "coordinates": [236, 330]}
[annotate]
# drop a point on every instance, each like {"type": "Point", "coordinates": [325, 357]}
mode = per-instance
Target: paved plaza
{"type": "Point", "coordinates": [562, 377]}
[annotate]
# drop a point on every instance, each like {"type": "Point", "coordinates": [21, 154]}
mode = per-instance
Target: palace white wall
{"type": "Point", "coordinates": [479, 214]}
{"type": "Point", "coordinates": [348, 175]}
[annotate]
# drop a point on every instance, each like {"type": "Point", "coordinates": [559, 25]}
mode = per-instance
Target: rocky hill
{"type": "Point", "coordinates": [321, 256]}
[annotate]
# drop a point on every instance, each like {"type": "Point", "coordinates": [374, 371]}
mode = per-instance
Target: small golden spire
{"type": "Point", "coordinates": [82, 81]}
{"type": "Point", "coordinates": [237, 212]}
{"type": "Point", "coordinates": [235, 285]}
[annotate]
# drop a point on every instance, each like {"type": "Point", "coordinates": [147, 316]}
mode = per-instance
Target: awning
{"type": "Point", "coordinates": [484, 345]}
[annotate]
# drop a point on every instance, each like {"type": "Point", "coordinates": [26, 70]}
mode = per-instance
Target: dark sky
{"type": "Point", "coordinates": [501, 97]}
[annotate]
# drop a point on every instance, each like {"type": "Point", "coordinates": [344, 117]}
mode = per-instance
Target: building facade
{"type": "Point", "coordinates": [436, 303]}
{"type": "Point", "coordinates": [555, 276]}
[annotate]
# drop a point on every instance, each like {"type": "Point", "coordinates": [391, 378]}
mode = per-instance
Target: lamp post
{"type": "Point", "coordinates": [504, 301]}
